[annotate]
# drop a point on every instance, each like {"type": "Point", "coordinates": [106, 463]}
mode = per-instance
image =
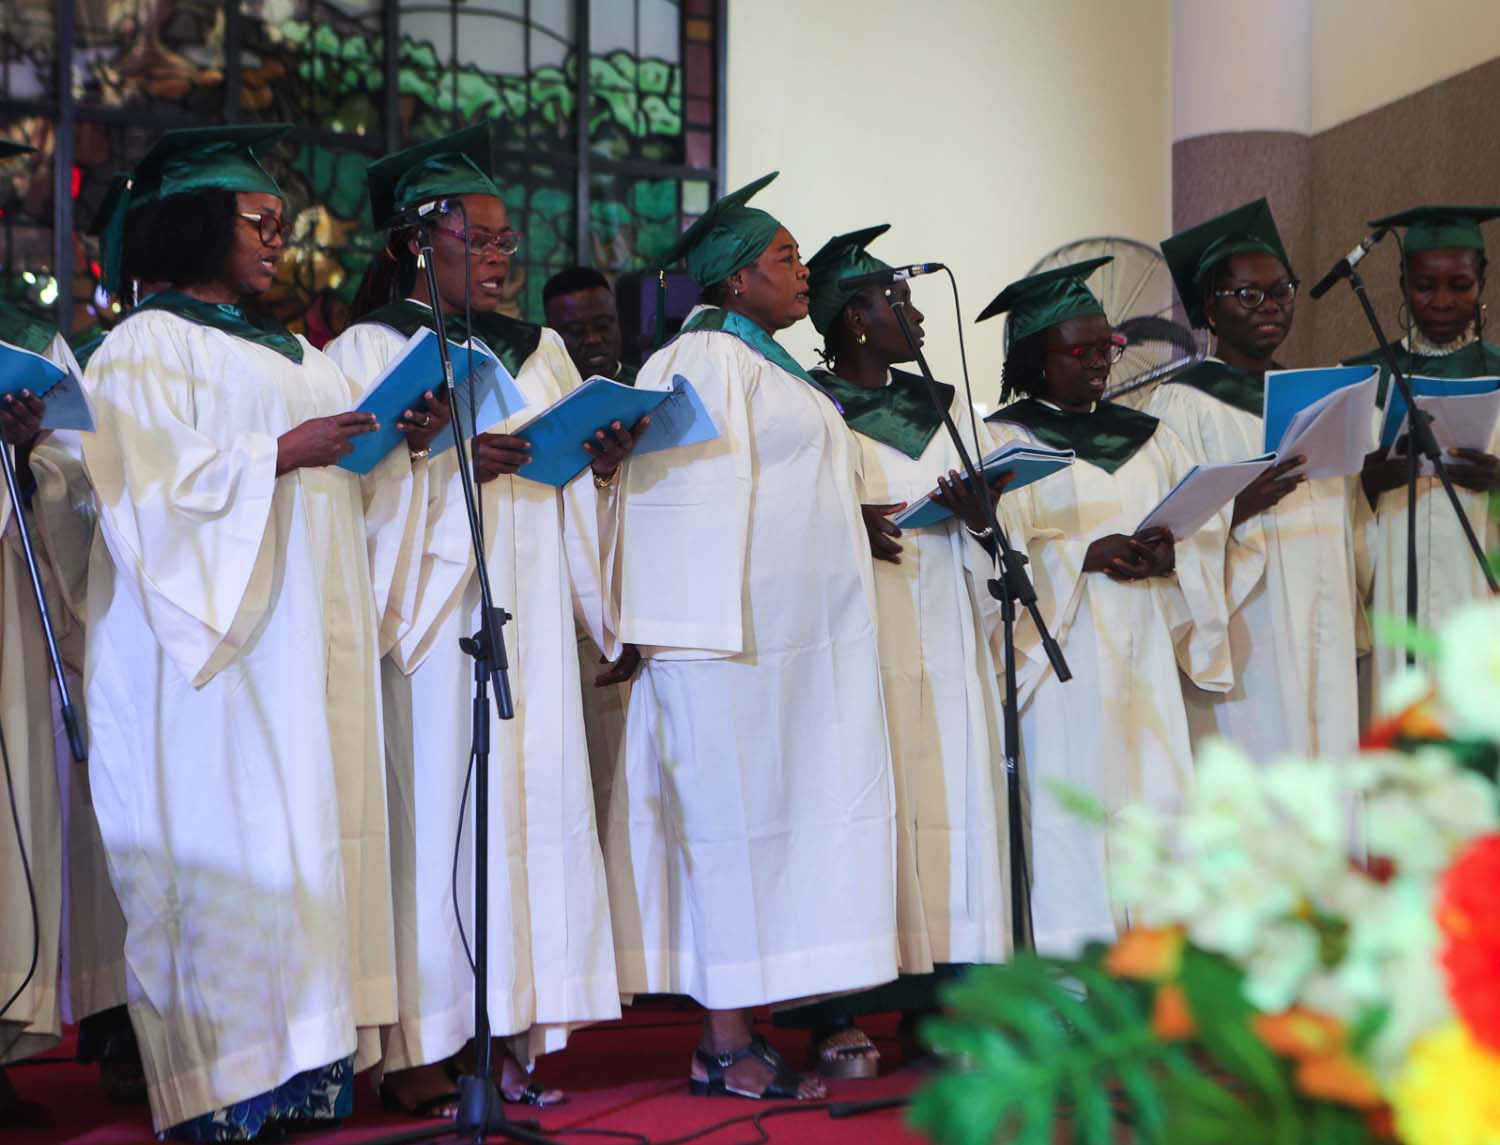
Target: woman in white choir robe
{"type": "Point", "coordinates": [750, 843]}
{"type": "Point", "coordinates": [231, 670]}
{"type": "Point", "coordinates": [1127, 608]}
{"type": "Point", "coordinates": [935, 620]}
{"type": "Point", "coordinates": [551, 953]}
{"type": "Point", "coordinates": [1442, 282]}
{"type": "Point", "coordinates": [1290, 561]}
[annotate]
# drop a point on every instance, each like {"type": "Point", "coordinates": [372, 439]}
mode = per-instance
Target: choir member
{"type": "Point", "coordinates": [1289, 561]}
{"type": "Point", "coordinates": [231, 668]}
{"type": "Point", "coordinates": [750, 841]}
{"type": "Point", "coordinates": [1127, 607]}
{"type": "Point", "coordinates": [1442, 285]}
{"type": "Point", "coordinates": [550, 950]}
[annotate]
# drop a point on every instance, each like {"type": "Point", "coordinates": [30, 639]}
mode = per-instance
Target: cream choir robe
{"type": "Point", "coordinates": [93, 929]}
{"type": "Point", "coordinates": [234, 704]}
{"type": "Point", "coordinates": [551, 959]}
{"type": "Point", "coordinates": [935, 621]}
{"type": "Point", "coordinates": [1118, 731]}
{"type": "Point", "coordinates": [1447, 574]}
{"type": "Point", "coordinates": [750, 842]}
{"type": "Point", "coordinates": [42, 773]}
{"type": "Point", "coordinates": [1291, 588]}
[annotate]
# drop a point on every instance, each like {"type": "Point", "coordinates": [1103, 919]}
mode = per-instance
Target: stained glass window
{"type": "Point", "coordinates": [357, 78]}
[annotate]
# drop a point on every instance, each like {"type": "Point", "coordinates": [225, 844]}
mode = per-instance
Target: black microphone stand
{"type": "Point", "coordinates": [49, 633]}
{"type": "Point", "coordinates": [480, 1109]}
{"type": "Point", "coordinates": [1013, 586]}
{"type": "Point", "coordinates": [1421, 442]}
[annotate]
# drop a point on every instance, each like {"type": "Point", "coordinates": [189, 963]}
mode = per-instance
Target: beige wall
{"type": "Point", "coordinates": [987, 132]}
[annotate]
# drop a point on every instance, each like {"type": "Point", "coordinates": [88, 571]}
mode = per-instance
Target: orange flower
{"type": "Point", "coordinates": [1326, 1070]}
{"type": "Point", "coordinates": [1146, 954]}
{"type": "Point", "coordinates": [1418, 722]}
{"type": "Point", "coordinates": [1300, 1033]}
{"type": "Point", "coordinates": [1338, 1078]}
{"type": "Point", "coordinates": [1171, 1020]}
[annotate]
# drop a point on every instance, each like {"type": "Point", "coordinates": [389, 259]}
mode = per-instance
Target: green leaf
{"type": "Point", "coordinates": [1395, 631]}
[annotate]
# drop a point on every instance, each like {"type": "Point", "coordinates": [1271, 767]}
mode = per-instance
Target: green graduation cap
{"type": "Point", "coordinates": [839, 257]}
{"type": "Point", "coordinates": [1192, 254]}
{"type": "Point", "coordinates": [457, 164]}
{"type": "Point", "coordinates": [1441, 228]}
{"type": "Point", "coordinates": [1044, 300]}
{"type": "Point", "coordinates": [727, 237]}
{"type": "Point", "coordinates": [183, 161]}
{"type": "Point", "coordinates": [113, 201]}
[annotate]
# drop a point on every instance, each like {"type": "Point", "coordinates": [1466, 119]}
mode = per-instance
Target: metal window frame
{"type": "Point", "coordinates": [66, 113]}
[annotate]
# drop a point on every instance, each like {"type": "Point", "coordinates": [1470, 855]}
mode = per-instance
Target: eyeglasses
{"type": "Point", "coordinates": [271, 227]}
{"type": "Point", "coordinates": [1251, 297]}
{"type": "Point", "coordinates": [475, 242]}
{"type": "Point", "coordinates": [1099, 353]}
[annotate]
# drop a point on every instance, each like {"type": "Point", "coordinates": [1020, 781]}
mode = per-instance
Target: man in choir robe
{"type": "Point", "coordinates": [581, 307]}
{"type": "Point", "coordinates": [1442, 280]}
{"type": "Point", "coordinates": [750, 842]}
{"type": "Point", "coordinates": [1129, 608]}
{"type": "Point", "coordinates": [1290, 555]}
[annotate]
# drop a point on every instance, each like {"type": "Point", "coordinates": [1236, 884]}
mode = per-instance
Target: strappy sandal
{"type": "Point", "coordinates": [438, 1107]}
{"type": "Point", "coordinates": [783, 1084]}
{"type": "Point", "coordinates": [842, 1055]}
{"type": "Point", "coordinates": [533, 1094]}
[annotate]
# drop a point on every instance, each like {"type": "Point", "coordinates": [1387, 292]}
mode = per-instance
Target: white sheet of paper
{"type": "Point", "coordinates": [1334, 433]}
{"type": "Point", "coordinates": [67, 406]}
{"type": "Point", "coordinates": [1459, 421]}
{"type": "Point", "coordinates": [1202, 492]}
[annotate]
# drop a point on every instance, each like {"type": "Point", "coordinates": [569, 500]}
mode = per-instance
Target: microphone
{"type": "Point", "coordinates": [1346, 264]}
{"type": "Point", "coordinates": [889, 275]}
{"type": "Point", "coordinates": [414, 215]}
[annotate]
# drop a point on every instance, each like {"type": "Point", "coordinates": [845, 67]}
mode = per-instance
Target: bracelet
{"type": "Point", "coordinates": [606, 482]}
{"type": "Point", "coordinates": [420, 454]}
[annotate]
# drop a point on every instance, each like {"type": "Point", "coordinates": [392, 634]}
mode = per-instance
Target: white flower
{"type": "Point", "coordinates": [1283, 959]}
{"type": "Point", "coordinates": [1468, 668]}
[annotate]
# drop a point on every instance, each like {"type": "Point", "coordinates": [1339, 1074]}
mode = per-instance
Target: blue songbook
{"type": "Point", "coordinates": [1027, 461]}
{"type": "Point", "coordinates": [1289, 392]}
{"type": "Point", "coordinates": [66, 407]}
{"type": "Point", "coordinates": [416, 370]}
{"type": "Point", "coordinates": [1395, 402]}
{"type": "Point", "coordinates": [557, 434]}
{"type": "Point", "coordinates": [491, 391]}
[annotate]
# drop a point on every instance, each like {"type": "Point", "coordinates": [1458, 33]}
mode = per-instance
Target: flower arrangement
{"type": "Point", "coordinates": [1272, 988]}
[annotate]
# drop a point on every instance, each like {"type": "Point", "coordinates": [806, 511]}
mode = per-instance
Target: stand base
{"type": "Point", "coordinates": [480, 1117]}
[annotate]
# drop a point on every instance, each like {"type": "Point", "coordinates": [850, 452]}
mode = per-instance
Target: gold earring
{"type": "Point", "coordinates": [862, 338]}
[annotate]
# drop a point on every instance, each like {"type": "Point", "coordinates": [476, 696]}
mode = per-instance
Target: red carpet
{"type": "Point", "coordinates": [626, 1077]}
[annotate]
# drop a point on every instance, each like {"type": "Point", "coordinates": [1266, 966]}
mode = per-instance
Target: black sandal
{"type": "Point", "coordinates": [783, 1085]}
{"type": "Point", "coordinates": [533, 1094]}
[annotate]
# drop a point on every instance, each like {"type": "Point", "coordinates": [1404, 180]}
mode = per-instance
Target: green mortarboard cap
{"type": "Point", "coordinates": [183, 161]}
{"type": "Point", "coordinates": [839, 257]}
{"type": "Point", "coordinates": [1441, 228]}
{"type": "Point", "coordinates": [725, 238]}
{"type": "Point", "coordinates": [1044, 300]}
{"type": "Point", "coordinates": [9, 148]}
{"type": "Point", "coordinates": [457, 164]}
{"type": "Point", "coordinates": [1192, 254]}
{"type": "Point", "coordinates": [191, 159]}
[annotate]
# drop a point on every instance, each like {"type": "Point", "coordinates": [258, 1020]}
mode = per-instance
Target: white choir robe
{"type": "Point", "coordinates": [1118, 731]}
{"type": "Point", "coordinates": [935, 623]}
{"type": "Point", "coordinates": [234, 704]}
{"type": "Point", "coordinates": [750, 842]}
{"type": "Point", "coordinates": [1291, 588]}
{"type": "Point", "coordinates": [32, 1022]}
{"type": "Point", "coordinates": [93, 929]}
{"type": "Point", "coordinates": [551, 961]}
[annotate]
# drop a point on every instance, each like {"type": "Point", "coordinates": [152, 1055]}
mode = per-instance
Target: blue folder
{"type": "Point", "coordinates": [23, 370]}
{"type": "Point", "coordinates": [557, 434]}
{"type": "Point", "coordinates": [1288, 392]}
{"type": "Point", "coordinates": [1395, 402]}
{"type": "Point", "coordinates": [1028, 462]}
{"type": "Point", "coordinates": [417, 369]}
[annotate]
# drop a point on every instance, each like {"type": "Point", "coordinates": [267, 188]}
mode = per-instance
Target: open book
{"type": "Point", "coordinates": [1463, 411]}
{"type": "Point", "coordinates": [1323, 414]}
{"type": "Point", "coordinates": [1202, 492]}
{"type": "Point", "coordinates": [60, 391]}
